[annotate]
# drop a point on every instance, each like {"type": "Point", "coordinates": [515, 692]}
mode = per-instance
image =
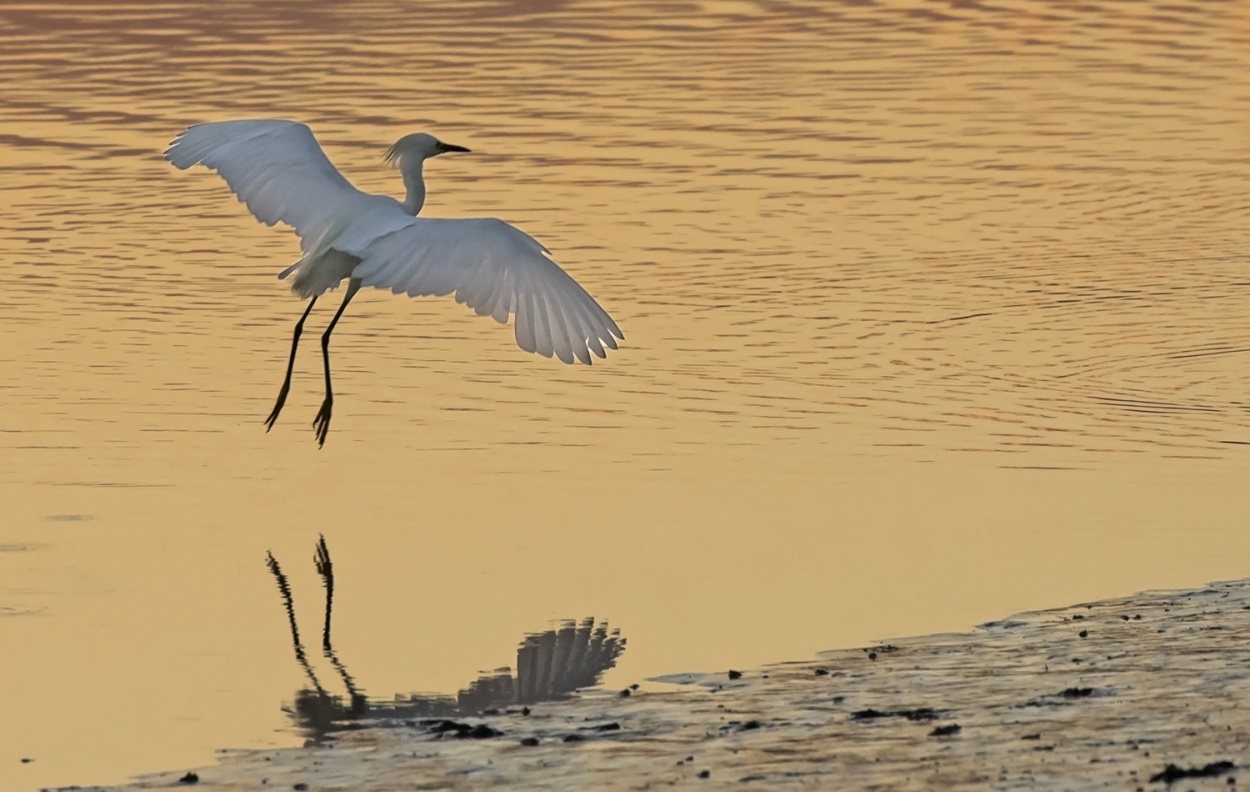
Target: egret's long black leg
{"type": "Point", "coordinates": [290, 366]}
{"type": "Point", "coordinates": [321, 424]}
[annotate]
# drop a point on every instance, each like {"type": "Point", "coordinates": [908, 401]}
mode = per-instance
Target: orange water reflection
{"type": "Point", "coordinates": [935, 311]}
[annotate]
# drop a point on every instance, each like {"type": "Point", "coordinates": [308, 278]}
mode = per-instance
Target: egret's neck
{"type": "Point", "coordinates": [415, 183]}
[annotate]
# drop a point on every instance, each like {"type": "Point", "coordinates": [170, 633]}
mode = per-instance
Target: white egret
{"type": "Point", "coordinates": [279, 171]}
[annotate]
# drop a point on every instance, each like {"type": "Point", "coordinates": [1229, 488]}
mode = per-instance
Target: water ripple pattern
{"type": "Point", "coordinates": [998, 227]}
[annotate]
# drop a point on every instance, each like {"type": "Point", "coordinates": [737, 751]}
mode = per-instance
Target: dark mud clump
{"type": "Point", "coordinates": [1173, 773]}
{"type": "Point", "coordinates": [918, 714]}
{"type": "Point", "coordinates": [1062, 697]}
{"type": "Point", "coordinates": [462, 730]}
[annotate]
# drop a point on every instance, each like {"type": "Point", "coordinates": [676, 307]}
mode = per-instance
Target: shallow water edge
{"type": "Point", "coordinates": [1112, 693]}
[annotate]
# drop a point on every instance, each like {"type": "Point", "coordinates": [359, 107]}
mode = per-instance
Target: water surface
{"type": "Point", "coordinates": [934, 312]}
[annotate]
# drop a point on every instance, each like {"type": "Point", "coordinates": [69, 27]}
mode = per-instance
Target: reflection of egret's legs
{"type": "Point", "coordinates": [284, 588]}
{"type": "Point", "coordinates": [325, 568]}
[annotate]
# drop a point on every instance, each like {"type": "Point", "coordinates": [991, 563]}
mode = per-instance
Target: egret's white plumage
{"type": "Point", "coordinates": [280, 172]}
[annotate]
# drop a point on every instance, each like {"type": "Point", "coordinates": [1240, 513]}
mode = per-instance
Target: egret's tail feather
{"type": "Point", "coordinates": [317, 275]}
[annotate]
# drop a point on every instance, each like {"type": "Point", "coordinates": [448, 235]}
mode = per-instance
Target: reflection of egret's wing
{"type": "Point", "coordinates": [489, 691]}
{"type": "Point", "coordinates": [554, 664]}
{"type": "Point", "coordinates": [551, 665]}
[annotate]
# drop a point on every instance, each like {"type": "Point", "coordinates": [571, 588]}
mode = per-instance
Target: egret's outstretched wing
{"type": "Point", "coordinates": [276, 168]}
{"type": "Point", "coordinates": [495, 269]}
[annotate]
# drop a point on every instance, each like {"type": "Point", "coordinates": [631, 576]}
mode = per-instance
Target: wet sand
{"type": "Point", "coordinates": [1123, 694]}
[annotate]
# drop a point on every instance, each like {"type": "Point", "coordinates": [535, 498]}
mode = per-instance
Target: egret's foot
{"type": "Point", "coordinates": [277, 408]}
{"type": "Point", "coordinates": [321, 424]}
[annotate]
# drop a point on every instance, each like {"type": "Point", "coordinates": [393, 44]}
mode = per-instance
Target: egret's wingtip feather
{"type": "Point", "coordinates": [174, 154]}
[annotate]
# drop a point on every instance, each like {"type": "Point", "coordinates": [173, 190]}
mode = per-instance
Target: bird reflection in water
{"type": "Point", "coordinates": [550, 666]}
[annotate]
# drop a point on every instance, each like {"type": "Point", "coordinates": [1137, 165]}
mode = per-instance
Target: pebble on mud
{"type": "Point", "coordinates": [735, 674]}
{"type": "Point", "coordinates": [189, 778]}
{"type": "Point", "coordinates": [946, 731]}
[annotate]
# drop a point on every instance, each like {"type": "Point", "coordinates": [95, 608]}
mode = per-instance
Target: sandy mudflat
{"type": "Point", "coordinates": [1095, 696]}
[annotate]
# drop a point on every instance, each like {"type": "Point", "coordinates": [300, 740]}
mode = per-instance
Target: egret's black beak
{"type": "Point", "coordinates": [443, 148]}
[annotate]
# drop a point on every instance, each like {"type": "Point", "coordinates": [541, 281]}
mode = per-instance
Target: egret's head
{"type": "Point", "coordinates": [418, 147]}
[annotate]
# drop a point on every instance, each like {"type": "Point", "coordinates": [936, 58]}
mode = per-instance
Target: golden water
{"type": "Point", "coordinates": [933, 311]}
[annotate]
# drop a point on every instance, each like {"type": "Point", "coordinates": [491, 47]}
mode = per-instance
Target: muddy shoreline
{"type": "Point", "coordinates": [1136, 692]}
